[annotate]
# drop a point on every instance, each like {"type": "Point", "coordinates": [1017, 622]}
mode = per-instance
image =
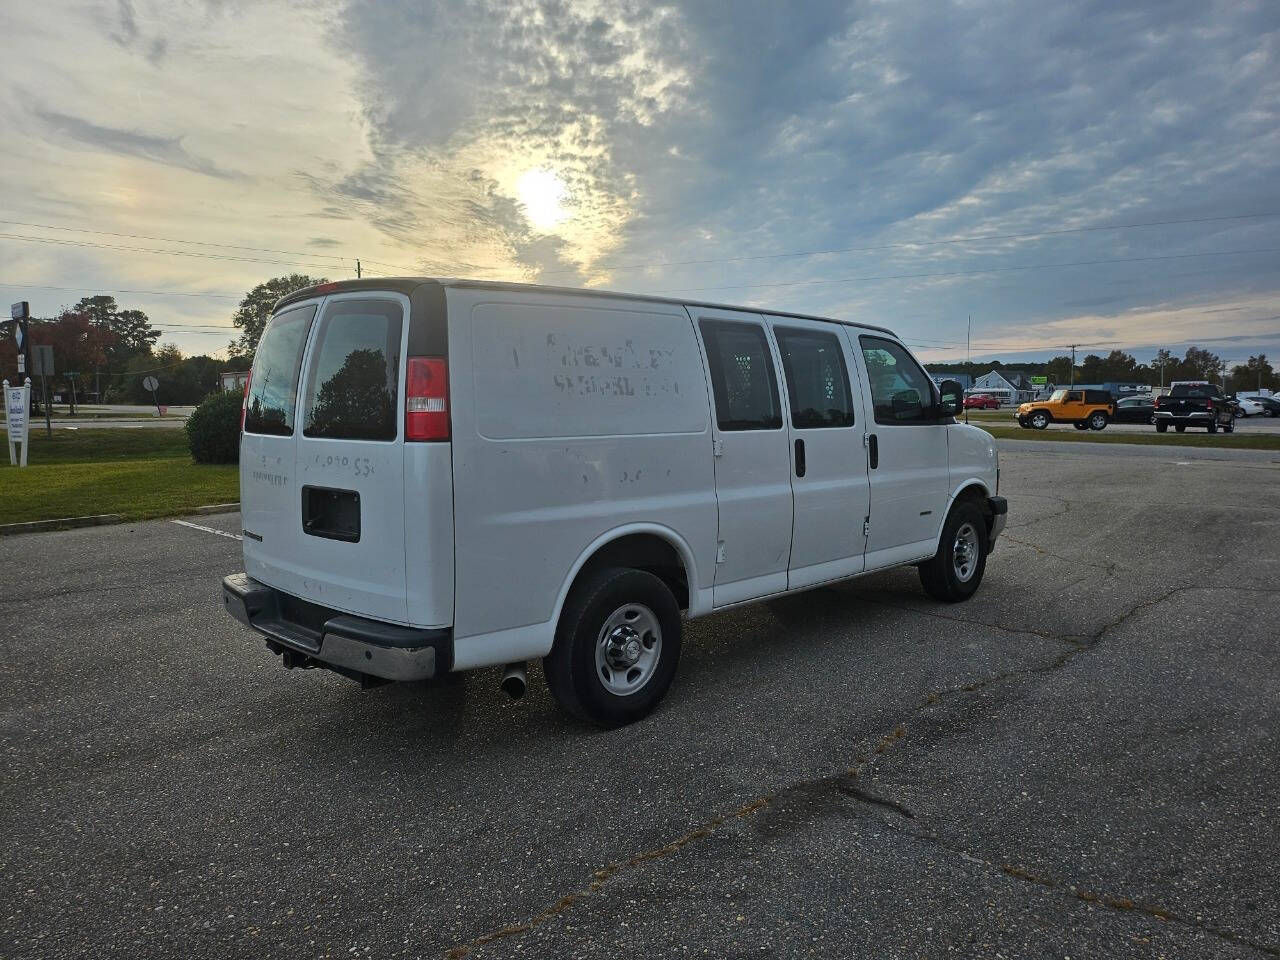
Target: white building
{"type": "Point", "coordinates": [1010, 386]}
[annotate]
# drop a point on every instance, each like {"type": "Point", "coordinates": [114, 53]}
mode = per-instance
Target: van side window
{"type": "Point", "coordinates": [354, 374]}
{"type": "Point", "coordinates": [817, 381]}
{"type": "Point", "coordinates": [742, 376]}
{"type": "Point", "coordinates": [901, 392]}
{"type": "Point", "coordinates": [273, 388]}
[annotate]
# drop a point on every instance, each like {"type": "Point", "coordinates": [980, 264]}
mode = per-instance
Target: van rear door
{"type": "Point", "coordinates": [349, 505]}
{"type": "Point", "coordinates": [268, 448]}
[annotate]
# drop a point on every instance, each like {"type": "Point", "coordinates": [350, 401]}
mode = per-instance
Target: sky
{"type": "Point", "coordinates": [1106, 173]}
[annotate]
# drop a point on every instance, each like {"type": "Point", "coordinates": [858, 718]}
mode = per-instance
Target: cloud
{"type": "Point", "coordinates": [689, 131]}
{"type": "Point", "coordinates": [166, 150]}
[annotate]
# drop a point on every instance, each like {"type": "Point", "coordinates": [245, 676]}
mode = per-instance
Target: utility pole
{"type": "Point", "coordinates": [1073, 364]}
{"type": "Point", "coordinates": [968, 334]}
{"type": "Point", "coordinates": [357, 269]}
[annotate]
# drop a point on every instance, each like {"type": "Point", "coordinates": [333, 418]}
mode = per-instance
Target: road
{"type": "Point", "coordinates": [1082, 761]}
{"type": "Point", "coordinates": [1243, 425]}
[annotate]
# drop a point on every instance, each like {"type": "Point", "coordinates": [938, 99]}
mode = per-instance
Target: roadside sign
{"type": "Point", "coordinates": [151, 383]}
{"type": "Point", "coordinates": [1039, 381]}
{"type": "Point", "coordinates": [42, 360]}
{"type": "Point", "coordinates": [20, 310]}
{"type": "Point", "coordinates": [17, 401]}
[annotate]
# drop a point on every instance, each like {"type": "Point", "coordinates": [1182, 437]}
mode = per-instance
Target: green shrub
{"type": "Point", "coordinates": [213, 429]}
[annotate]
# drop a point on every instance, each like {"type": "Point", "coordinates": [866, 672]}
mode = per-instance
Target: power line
{"type": "Point", "coordinates": [919, 243]}
{"type": "Point", "coordinates": [140, 236]}
{"type": "Point", "coordinates": [969, 273]}
{"type": "Point", "coordinates": [170, 253]}
{"type": "Point", "coordinates": [149, 293]}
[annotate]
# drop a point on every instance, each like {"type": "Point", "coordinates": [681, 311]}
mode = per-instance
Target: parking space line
{"type": "Point", "coordinates": [197, 526]}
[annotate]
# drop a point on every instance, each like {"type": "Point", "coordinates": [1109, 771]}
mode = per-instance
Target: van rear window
{"type": "Point", "coordinates": [273, 388]}
{"type": "Point", "coordinates": [354, 373]}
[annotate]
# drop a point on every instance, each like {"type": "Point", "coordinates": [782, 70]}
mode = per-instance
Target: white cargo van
{"type": "Point", "coordinates": [438, 475]}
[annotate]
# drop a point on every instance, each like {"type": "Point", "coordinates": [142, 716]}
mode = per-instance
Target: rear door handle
{"type": "Point", "coordinates": [799, 457]}
{"type": "Point", "coordinates": [873, 451]}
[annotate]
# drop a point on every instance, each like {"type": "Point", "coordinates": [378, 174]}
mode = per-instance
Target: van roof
{"type": "Point", "coordinates": [407, 285]}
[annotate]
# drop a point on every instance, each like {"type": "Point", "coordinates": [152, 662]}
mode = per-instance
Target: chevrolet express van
{"type": "Point", "coordinates": [440, 475]}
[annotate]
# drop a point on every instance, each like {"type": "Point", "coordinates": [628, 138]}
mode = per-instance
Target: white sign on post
{"type": "Point", "coordinates": [17, 401]}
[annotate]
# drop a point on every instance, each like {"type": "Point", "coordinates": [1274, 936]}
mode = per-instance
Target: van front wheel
{"type": "Point", "coordinates": [955, 571]}
{"type": "Point", "coordinates": [617, 647]}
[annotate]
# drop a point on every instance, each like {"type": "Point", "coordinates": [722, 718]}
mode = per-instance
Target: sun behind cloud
{"type": "Point", "coordinates": [542, 196]}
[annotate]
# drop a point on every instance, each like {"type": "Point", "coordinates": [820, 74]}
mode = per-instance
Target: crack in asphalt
{"type": "Point", "coordinates": [846, 784]}
{"type": "Point", "coordinates": [1117, 903]}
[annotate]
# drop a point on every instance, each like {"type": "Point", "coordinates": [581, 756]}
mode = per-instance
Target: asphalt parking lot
{"type": "Point", "coordinates": [1082, 761]}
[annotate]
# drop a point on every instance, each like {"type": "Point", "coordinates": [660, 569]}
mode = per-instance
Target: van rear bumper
{"type": "Point", "coordinates": [309, 635]}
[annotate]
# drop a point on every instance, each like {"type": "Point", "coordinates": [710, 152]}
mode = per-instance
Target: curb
{"type": "Point", "coordinates": [213, 508]}
{"type": "Point", "coordinates": [102, 519]}
{"type": "Point", "coordinates": [63, 523]}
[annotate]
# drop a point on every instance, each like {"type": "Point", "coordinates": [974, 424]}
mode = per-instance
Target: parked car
{"type": "Point", "coordinates": [981, 401]}
{"type": "Point", "coordinates": [1086, 409]}
{"type": "Point", "coordinates": [443, 475]}
{"type": "Point", "coordinates": [1270, 406]}
{"type": "Point", "coordinates": [1248, 407]}
{"type": "Point", "coordinates": [1135, 410]}
{"type": "Point", "coordinates": [1195, 405]}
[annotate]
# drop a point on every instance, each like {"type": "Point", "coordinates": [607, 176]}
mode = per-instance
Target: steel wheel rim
{"type": "Point", "coordinates": [965, 552]}
{"type": "Point", "coordinates": [628, 648]}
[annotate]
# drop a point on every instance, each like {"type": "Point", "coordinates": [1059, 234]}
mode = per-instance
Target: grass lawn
{"type": "Point", "coordinates": [1233, 441]}
{"type": "Point", "coordinates": [138, 473]}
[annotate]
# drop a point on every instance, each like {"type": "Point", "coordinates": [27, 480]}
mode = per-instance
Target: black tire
{"type": "Point", "coordinates": [939, 575]}
{"type": "Point", "coordinates": [1081, 425]}
{"type": "Point", "coordinates": [1161, 427]}
{"type": "Point", "coordinates": [1038, 420]}
{"type": "Point", "coordinates": [1098, 421]}
{"type": "Point", "coordinates": [1229, 428]}
{"type": "Point", "coordinates": [1151, 419]}
{"type": "Point", "coordinates": [1180, 427]}
{"type": "Point", "coordinates": [571, 667]}
{"type": "Point", "coordinates": [1213, 426]}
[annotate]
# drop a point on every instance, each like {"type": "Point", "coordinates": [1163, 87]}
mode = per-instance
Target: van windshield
{"type": "Point", "coordinates": [273, 388]}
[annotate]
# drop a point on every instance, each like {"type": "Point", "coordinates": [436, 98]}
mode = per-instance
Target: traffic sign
{"type": "Point", "coordinates": [20, 310]}
{"type": "Point", "coordinates": [42, 360]}
{"type": "Point", "coordinates": [150, 383]}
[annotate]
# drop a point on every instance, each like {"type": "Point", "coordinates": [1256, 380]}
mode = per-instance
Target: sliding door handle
{"type": "Point", "coordinates": [799, 457]}
{"type": "Point", "coordinates": [873, 451]}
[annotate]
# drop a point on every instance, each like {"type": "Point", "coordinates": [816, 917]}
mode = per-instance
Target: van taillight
{"type": "Point", "coordinates": [244, 400]}
{"type": "Point", "coordinates": [426, 402]}
{"type": "Point", "coordinates": [1208, 402]}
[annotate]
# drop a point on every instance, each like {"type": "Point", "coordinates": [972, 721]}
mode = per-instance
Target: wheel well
{"type": "Point", "coordinates": [647, 552]}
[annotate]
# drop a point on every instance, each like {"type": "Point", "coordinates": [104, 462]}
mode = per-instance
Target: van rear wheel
{"type": "Point", "coordinates": [955, 571]}
{"type": "Point", "coordinates": [617, 647]}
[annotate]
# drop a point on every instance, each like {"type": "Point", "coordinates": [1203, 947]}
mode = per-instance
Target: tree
{"type": "Point", "coordinates": [1200, 364]}
{"type": "Point", "coordinates": [131, 330]}
{"type": "Point", "coordinates": [1253, 375]}
{"type": "Point", "coordinates": [79, 346]}
{"type": "Point", "coordinates": [255, 310]}
{"type": "Point", "coordinates": [1058, 370]}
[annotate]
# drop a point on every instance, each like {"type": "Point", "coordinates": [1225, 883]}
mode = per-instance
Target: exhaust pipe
{"type": "Point", "coordinates": [514, 680]}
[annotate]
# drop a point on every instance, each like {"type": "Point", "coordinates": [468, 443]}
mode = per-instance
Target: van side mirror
{"type": "Point", "coordinates": [951, 398]}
